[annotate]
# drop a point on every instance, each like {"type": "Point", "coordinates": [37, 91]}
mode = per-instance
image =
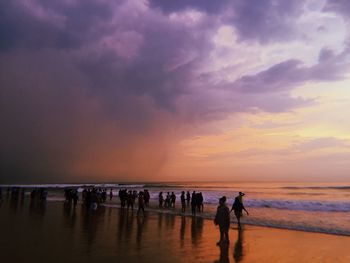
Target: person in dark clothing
{"type": "Point", "coordinates": [193, 203]}
{"type": "Point", "coordinates": [110, 195]}
{"type": "Point", "coordinates": [200, 200]}
{"type": "Point", "coordinates": [173, 199]}
{"type": "Point", "coordinates": [123, 196]}
{"type": "Point", "coordinates": [75, 197]}
{"type": "Point", "coordinates": [183, 201]}
{"type": "Point", "coordinates": [238, 207]}
{"type": "Point", "coordinates": [134, 197]}
{"type": "Point", "coordinates": [167, 200]}
{"type": "Point", "coordinates": [141, 203]}
{"type": "Point", "coordinates": [222, 218]}
{"type": "Point", "coordinates": [188, 198]}
{"type": "Point", "coordinates": [147, 197]}
{"type": "Point", "coordinates": [104, 195]}
{"type": "Point", "coordinates": [130, 201]}
{"type": "Point", "coordinates": [161, 199]}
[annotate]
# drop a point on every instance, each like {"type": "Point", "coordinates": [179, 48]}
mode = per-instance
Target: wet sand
{"type": "Point", "coordinates": [54, 232]}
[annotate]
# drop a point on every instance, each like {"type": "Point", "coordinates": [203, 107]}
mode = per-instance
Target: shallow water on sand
{"type": "Point", "coordinates": [55, 232]}
{"type": "Point", "coordinates": [312, 207]}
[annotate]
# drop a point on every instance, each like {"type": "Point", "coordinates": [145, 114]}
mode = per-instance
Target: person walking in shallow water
{"type": "Point", "coordinates": [222, 218]}
{"type": "Point", "coordinates": [161, 199]}
{"type": "Point", "coordinates": [141, 203]}
{"type": "Point", "coordinates": [188, 198]}
{"type": "Point", "coordinates": [183, 201]}
{"type": "Point", "coordinates": [238, 207]}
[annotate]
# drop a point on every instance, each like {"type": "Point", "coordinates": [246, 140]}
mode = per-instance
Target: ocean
{"type": "Point", "coordinates": [310, 207]}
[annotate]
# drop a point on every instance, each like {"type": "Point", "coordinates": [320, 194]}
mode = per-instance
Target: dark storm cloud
{"type": "Point", "coordinates": [264, 20]}
{"type": "Point", "coordinates": [202, 5]}
{"type": "Point", "coordinates": [80, 87]}
{"type": "Point", "coordinates": [261, 20]}
{"type": "Point", "coordinates": [340, 6]}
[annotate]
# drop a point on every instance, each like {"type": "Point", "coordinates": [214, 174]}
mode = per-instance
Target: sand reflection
{"type": "Point", "coordinates": [238, 248]}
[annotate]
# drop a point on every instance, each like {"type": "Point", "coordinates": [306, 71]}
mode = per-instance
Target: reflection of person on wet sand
{"type": "Point", "coordinates": [238, 248]}
{"type": "Point", "coordinates": [196, 229]}
{"type": "Point", "coordinates": [222, 218]}
{"type": "Point", "coordinates": [182, 230]}
{"type": "Point", "coordinates": [238, 207]}
{"type": "Point", "coordinates": [223, 254]}
{"type": "Point", "coordinates": [140, 228]}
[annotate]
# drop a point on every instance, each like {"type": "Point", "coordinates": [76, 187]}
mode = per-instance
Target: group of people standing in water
{"type": "Point", "coordinates": [92, 197]}
{"type": "Point", "coordinates": [194, 200]}
{"type": "Point", "coordinates": [128, 199]}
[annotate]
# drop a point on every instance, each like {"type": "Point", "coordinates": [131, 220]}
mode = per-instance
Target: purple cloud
{"type": "Point", "coordinates": [287, 74]}
{"type": "Point", "coordinates": [264, 20]}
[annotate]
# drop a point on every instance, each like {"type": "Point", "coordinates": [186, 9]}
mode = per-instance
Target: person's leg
{"type": "Point", "coordinates": [221, 237]}
{"type": "Point", "coordinates": [227, 236]}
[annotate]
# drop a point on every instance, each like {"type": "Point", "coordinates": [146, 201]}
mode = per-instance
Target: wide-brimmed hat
{"type": "Point", "coordinates": [241, 193]}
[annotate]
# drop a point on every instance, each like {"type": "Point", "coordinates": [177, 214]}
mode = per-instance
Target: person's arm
{"type": "Point", "coordinates": [232, 208]}
{"type": "Point", "coordinates": [245, 209]}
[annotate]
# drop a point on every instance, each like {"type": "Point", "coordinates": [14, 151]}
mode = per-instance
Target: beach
{"type": "Point", "coordinates": [56, 232]}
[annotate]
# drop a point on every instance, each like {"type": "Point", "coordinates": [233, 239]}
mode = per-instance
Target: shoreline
{"type": "Point", "coordinates": [178, 212]}
{"type": "Point", "coordinates": [324, 221]}
{"type": "Point", "coordinates": [207, 216]}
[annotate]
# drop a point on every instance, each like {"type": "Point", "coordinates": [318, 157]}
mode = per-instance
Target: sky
{"type": "Point", "coordinates": [152, 90]}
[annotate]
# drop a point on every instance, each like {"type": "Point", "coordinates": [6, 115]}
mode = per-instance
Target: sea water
{"type": "Point", "coordinates": [312, 207]}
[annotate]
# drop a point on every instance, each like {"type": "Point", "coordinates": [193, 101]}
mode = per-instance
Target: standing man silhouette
{"type": "Point", "coordinates": [238, 207]}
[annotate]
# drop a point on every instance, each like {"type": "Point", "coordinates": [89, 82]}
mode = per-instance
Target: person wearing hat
{"type": "Point", "coordinates": [238, 207]}
{"type": "Point", "coordinates": [222, 218]}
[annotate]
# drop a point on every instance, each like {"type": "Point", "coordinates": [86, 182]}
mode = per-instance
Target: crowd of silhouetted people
{"type": "Point", "coordinates": [193, 201]}
{"type": "Point", "coordinates": [128, 199]}
{"type": "Point", "coordinates": [16, 193]}
{"type": "Point", "coordinates": [91, 197]}
{"type": "Point", "coordinates": [39, 194]}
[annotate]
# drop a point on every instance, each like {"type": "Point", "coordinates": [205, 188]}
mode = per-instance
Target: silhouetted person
{"type": "Point", "coordinates": [238, 207]}
{"type": "Point", "coordinates": [134, 197]}
{"type": "Point", "coordinates": [141, 203]}
{"type": "Point", "coordinates": [75, 197]}
{"type": "Point", "coordinates": [104, 195]}
{"type": "Point", "coordinates": [173, 199]}
{"type": "Point", "coordinates": [183, 201]}
{"type": "Point", "coordinates": [167, 200]}
{"type": "Point", "coordinates": [188, 198]}
{"type": "Point", "coordinates": [123, 196]}
{"type": "Point", "coordinates": [130, 201]}
{"type": "Point", "coordinates": [147, 197]}
{"type": "Point", "coordinates": [193, 203]}
{"type": "Point", "coordinates": [160, 199]}
{"type": "Point", "coordinates": [222, 218]}
{"type": "Point", "coordinates": [199, 201]}
{"type": "Point", "coordinates": [110, 195]}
